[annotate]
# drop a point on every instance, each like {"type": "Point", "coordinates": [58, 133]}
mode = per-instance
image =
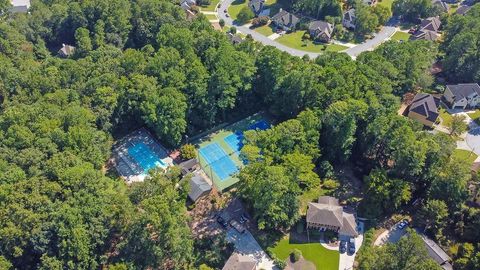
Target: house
{"type": "Point", "coordinates": [199, 187]}
{"type": "Point", "coordinates": [349, 20]}
{"type": "Point", "coordinates": [66, 51]}
{"type": "Point", "coordinates": [187, 4]}
{"type": "Point", "coordinates": [461, 96]}
{"type": "Point", "coordinates": [437, 253]}
{"type": "Point", "coordinates": [238, 261]}
{"type": "Point", "coordinates": [189, 166]}
{"type": "Point", "coordinates": [285, 20]}
{"type": "Point", "coordinates": [462, 10]}
{"type": "Point", "coordinates": [256, 6]}
{"type": "Point", "coordinates": [235, 39]}
{"type": "Point", "coordinates": [441, 4]}
{"type": "Point", "coordinates": [424, 109]}
{"type": "Point", "coordinates": [20, 6]}
{"type": "Point", "coordinates": [327, 214]}
{"type": "Point", "coordinates": [369, 2]}
{"type": "Point", "coordinates": [428, 29]}
{"type": "Point", "coordinates": [321, 31]}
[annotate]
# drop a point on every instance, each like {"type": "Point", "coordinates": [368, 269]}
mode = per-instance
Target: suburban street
{"type": "Point", "coordinates": [380, 37]}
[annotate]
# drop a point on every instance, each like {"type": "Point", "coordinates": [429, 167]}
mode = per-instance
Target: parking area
{"type": "Point", "coordinates": [246, 244]}
{"type": "Point", "coordinates": [391, 236]}
{"type": "Point", "coordinates": [347, 259]}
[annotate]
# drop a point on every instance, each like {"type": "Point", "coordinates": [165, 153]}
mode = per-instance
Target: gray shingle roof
{"type": "Point", "coordinates": [323, 27]}
{"type": "Point", "coordinates": [198, 187]}
{"type": "Point", "coordinates": [426, 105]}
{"type": "Point", "coordinates": [326, 211]}
{"type": "Point", "coordinates": [435, 251]}
{"type": "Point", "coordinates": [461, 91]}
{"type": "Point", "coordinates": [240, 262]}
{"type": "Point", "coordinates": [256, 5]}
{"type": "Point", "coordinates": [283, 17]}
{"type": "Point", "coordinates": [349, 15]}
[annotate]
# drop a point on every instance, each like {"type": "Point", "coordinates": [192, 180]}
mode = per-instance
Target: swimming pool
{"type": "Point", "coordinates": [145, 157]}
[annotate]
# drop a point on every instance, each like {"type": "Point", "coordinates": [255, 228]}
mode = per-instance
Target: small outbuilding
{"type": "Point", "coordinates": [199, 187]}
{"type": "Point", "coordinates": [189, 166]}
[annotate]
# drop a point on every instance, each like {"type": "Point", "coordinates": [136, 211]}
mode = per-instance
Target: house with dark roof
{"type": "Point", "coordinates": [66, 51]}
{"type": "Point", "coordinates": [19, 6]}
{"type": "Point", "coordinates": [349, 20]}
{"type": "Point", "coordinates": [441, 4]}
{"type": "Point", "coordinates": [327, 214]}
{"type": "Point", "coordinates": [437, 253]}
{"type": "Point", "coordinates": [199, 187]}
{"type": "Point", "coordinates": [428, 29]}
{"type": "Point", "coordinates": [238, 261]}
{"type": "Point", "coordinates": [321, 31]}
{"type": "Point", "coordinates": [189, 166]}
{"type": "Point", "coordinates": [256, 6]}
{"type": "Point", "coordinates": [462, 10]}
{"type": "Point", "coordinates": [424, 109]}
{"type": "Point", "coordinates": [285, 20]}
{"type": "Point", "coordinates": [235, 39]}
{"type": "Point", "coordinates": [462, 96]}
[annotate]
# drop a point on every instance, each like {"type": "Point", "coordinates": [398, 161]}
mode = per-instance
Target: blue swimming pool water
{"type": "Point", "coordinates": [145, 157]}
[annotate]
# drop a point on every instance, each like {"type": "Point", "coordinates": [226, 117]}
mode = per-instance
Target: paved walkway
{"type": "Point", "coordinates": [380, 37]}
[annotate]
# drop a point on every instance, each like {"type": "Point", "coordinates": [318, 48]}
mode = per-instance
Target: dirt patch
{"type": "Point", "coordinates": [301, 264]}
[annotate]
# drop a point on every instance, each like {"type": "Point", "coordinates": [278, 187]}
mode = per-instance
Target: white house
{"type": "Point", "coordinates": [349, 20]}
{"type": "Point", "coordinates": [461, 96]}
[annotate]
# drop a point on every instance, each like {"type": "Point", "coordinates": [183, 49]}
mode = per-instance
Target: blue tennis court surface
{"type": "Point", "coordinates": [218, 160]}
{"type": "Point", "coordinates": [261, 125]}
{"type": "Point", "coordinates": [235, 140]}
{"type": "Point", "coordinates": [145, 157]}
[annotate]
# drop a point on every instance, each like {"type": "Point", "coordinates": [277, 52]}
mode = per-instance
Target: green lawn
{"type": "Point", "coordinates": [211, 7]}
{"type": "Point", "coordinates": [265, 30]}
{"type": "Point", "coordinates": [235, 8]}
{"type": "Point", "coordinates": [294, 40]}
{"type": "Point", "coordinates": [211, 16]}
{"type": "Point", "coordinates": [446, 117]}
{"type": "Point", "coordinates": [465, 155]}
{"type": "Point", "coordinates": [401, 36]}
{"type": "Point", "coordinates": [386, 3]}
{"type": "Point", "coordinates": [475, 116]}
{"type": "Point", "coordinates": [323, 258]}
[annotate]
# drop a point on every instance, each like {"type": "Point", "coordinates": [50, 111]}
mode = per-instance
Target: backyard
{"type": "Point", "coordinates": [323, 258]}
{"type": "Point", "coordinates": [400, 36]}
{"type": "Point", "coordinates": [211, 7]}
{"type": "Point", "coordinates": [294, 40]}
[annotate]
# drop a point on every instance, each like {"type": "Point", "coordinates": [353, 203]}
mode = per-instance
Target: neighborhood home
{"type": "Point", "coordinates": [369, 2]}
{"type": "Point", "coordinates": [256, 6]}
{"type": "Point", "coordinates": [187, 4]}
{"type": "Point", "coordinates": [428, 29]}
{"type": "Point", "coordinates": [285, 20]}
{"type": "Point", "coordinates": [424, 109]}
{"type": "Point", "coordinates": [327, 214]}
{"type": "Point", "coordinates": [189, 166]}
{"type": "Point", "coordinates": [66, 51]}
{"type": "Point", "coordinates": [462, 10]}
{"type": "Point", "coordinates": [20, 6]}
{"type": "Point", "coordinates": [437, 253]}
{"type": "Point", "coordinates": [235, 39]}
{"type": "Point", "coordinates": [462, 96]}
{"type": "Point", "coordinates": [441, 4]}
{"type": "Point", "coordinates": [199, 187]}
{"type": "Point", "coordinates": [238, 261]}
{"type": "Point", "coordinates": [349, 20]}
{"type": "Point", "coordinates": [321, 31]}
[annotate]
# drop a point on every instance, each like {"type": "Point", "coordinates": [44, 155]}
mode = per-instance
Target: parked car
{"type": "Point", "coordinates": [227, 15]}
{"type": "Point", "coordinates": [222, 222]}
{"type": "Point", "coordinates": [239, 227]}
{"type": "Point", "coordinates": [343, 246]}
{"type": "Point", "coordinates": [351, 246]}
{"type": "Point", "coordinates": [403, 224]}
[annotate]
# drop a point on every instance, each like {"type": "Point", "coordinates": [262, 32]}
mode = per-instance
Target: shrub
{"type": "Point", "coordinates": [221, 23]}
{"type": "Point", "coordinates": [188, 151]}
{"type": "Point", "coordinates": [296, 255]}
{"type": "Point", "coordinates": [330, 184]}
{"type": "Point", "coordinates": [279, 263]}
{"type": "Point", "coordinates": [245, 15]}
{"type": "Point", "coordinates": [233, 30]}
{"type": "Point", "coordinates": [259, 21]}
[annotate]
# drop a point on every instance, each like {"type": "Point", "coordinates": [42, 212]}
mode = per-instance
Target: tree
{"type": "Point", "coordinates": [367, 20]}
{"type": "Point", "coordinates": [259, 21]}
{"type": "Point", "coordinates": [83, 42]}
{"type": "Point", "coordinates": [457, 126]}
{"type": "Point", "coordinates": [383, 13]}
{"type": "Point", "coordinates": [244, 15]}
{"type": "Point", "coordinates": [433, 215]}
{"type": "Point", "coordinates": [413, 10]}
{"type": "Point", "coordinates": [188, 151]}
{"type": "Point", "coordinates": [221, 22]}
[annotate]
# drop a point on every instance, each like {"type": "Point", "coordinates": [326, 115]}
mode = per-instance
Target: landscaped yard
{"type": "Point", "coordinates": [323, 258]}
{"type": "Point", "coordinates": [401, 36]}
{"type": "Point", "coordinates": [265, 30]}
{"type": "Point", "coordinates": [465, 155]}
{"type": "Point", "coordinates": [294, 40]}
{"type": "Point", "coordinates": [235, 8]}
{"type": "Point", "coordinates": [475, 116]}
{"type": "Point", "coordinates": [211, 17]}
{"type": "Point", "coordinates": [446, 117]}
{"type": "Point", "coordinates": [211, 7]}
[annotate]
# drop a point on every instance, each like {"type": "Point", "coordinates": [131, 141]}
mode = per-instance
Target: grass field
{"type": "Point", "coordinates": [465, 155]}
{"type": "Point", "coordinates": [211, 7]}
{"type": "Point", "coordinates": [235, 8]}
{"type": "Point", "coordinates": [446, 117]}
{"type": "Point", "coordinates": [401, 36]}
{"type": "Point", "coordinates": [211, 17]}
{"type": "Point", "coordinates": [294, 40]}
{"type": "Point", "coordinates": [323, 258]}
{"type": "Point", "coordinates": [386, 3]}
{"type": "Point", "coordinates": [265, 30]}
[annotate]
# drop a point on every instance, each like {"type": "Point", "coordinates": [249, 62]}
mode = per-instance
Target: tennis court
{"type": "Point", "coordinates": [219, 152]}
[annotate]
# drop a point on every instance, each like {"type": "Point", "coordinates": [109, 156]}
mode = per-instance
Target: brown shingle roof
{"type": "Point", "coordinates": [426, 105]}
{"type": "Point", "coordinates": [240, 262]}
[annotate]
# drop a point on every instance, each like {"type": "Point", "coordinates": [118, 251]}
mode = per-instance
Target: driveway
{"type": "Point", "coordinates": [380, 37]}
{"type": "Point", "coordinates": [390, 236]}
{"type": "Point", "coordinates": [346, 260]}
{"type": "Point", "coordinates": [246, 244]}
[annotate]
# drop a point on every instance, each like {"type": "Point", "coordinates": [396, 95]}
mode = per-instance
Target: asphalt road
{"type": "Point", "coordinates": [386, 32]}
